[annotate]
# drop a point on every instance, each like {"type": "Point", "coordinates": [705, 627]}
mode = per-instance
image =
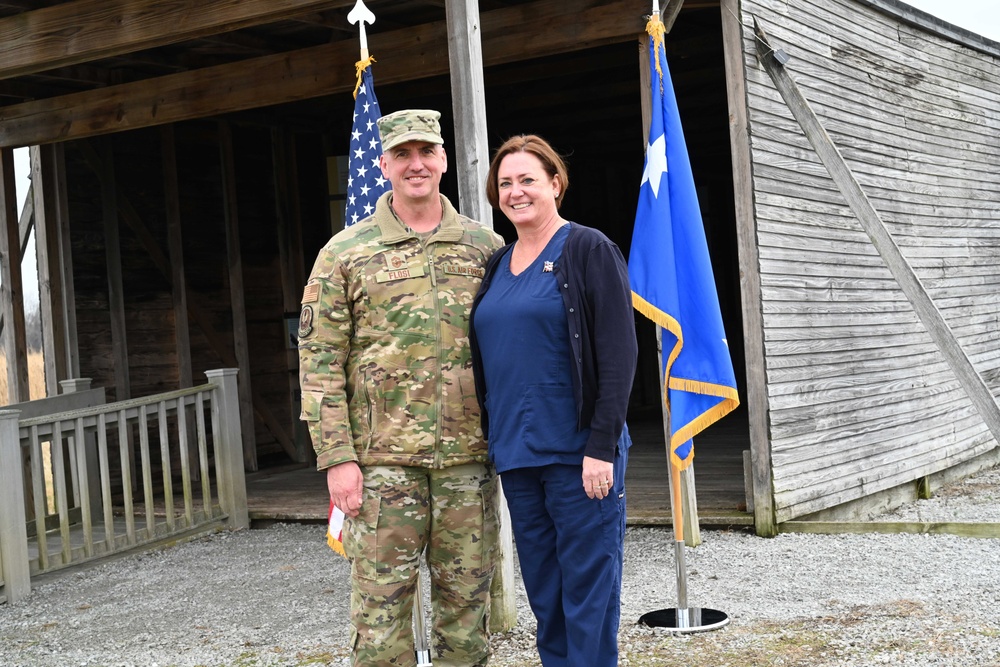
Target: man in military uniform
{"type": "Point", "coordinates": [388, 393]}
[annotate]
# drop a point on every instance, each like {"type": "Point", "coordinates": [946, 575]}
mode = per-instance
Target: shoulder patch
{"type": "Point", "coordinates": [305, 321]}
{"type": "Point", "coordinates": [311, 293]}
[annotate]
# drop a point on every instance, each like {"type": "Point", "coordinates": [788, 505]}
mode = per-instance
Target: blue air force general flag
{"type": "Point", "coordinates": [365, 183]}
{"type": "Point", "coordinates": [671, 273]}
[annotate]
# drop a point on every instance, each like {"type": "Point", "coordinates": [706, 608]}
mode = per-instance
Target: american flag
{"type": "Point", "coordinates": [365, 183]}
{"type": "Point", "coordinates": [335, 529]}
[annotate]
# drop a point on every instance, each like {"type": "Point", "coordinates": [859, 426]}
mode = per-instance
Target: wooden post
{"type": "Point", "coordinates": [178, 281]}
{"type": "Point", "coordinates": [11, 287]}
{"type": "Point", "coordinates": [13, 529]}
{"type": "Point", "coordinates": [292, 272]}
{"type": "Point", "coordinates": [61, 211]}
{"type": "Point", "coordinates": [89, 465]}
{"type": "Point", "coordinates": [228, 443]}
{"type": "Point", "coordinates": [468, 101]}
{"type": "Point", "coordinates": [765, 522]}
{"type": "Point", "coordinates": [47, 248]}
{"type": "Point", "coordinates": [116, 287]}
{"type": "Point", "coordinates": [924, 491]}
{"type": "Point", "coordinates": [236, 295]}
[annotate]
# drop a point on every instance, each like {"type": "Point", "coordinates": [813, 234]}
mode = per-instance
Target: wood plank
{"type": "Point", "coordinates": [15, 344]}
{"type": "Point", "coordinates": [972, 382]}
{"type": "Point", "coordinates": [72, 33]}
{"type": "Point", "coordinates": [512, 34]}
{"type": "Point", "coordinates": [979, 529]}
{"type": "Point", "coordinates": [861, 453]}
{"type": "Point", "coordinates": [837, 492]}
{"type": "Point", "coordinates": [750, 285]}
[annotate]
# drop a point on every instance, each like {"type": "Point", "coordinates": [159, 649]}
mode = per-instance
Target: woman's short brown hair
{"type": "Point", "coordinates": [552, 163]}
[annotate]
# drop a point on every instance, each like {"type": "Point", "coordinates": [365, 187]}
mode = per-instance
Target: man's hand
{"type": "Point", "coordinates": [346, 485]}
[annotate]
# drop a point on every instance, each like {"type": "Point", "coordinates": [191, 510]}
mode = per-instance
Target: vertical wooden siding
{"type": "Point", "coordinates": [860, 399]}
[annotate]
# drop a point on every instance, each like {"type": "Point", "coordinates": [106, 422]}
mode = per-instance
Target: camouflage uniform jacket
{"type": "Point", "coordinates": [385, 365]}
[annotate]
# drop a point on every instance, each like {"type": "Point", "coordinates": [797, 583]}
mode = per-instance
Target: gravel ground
{"type": "Point", "coordinates": [277, 596]}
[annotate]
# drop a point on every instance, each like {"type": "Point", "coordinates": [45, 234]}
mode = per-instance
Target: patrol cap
{"type": "Point", "coordinates": [410, 125]}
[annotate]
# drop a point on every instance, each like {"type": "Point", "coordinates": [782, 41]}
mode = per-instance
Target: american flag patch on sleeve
{"type": "Point", "coordinates": [310, 293]}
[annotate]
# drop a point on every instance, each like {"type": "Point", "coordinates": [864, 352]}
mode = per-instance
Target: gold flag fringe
{"type": "Point", "coordinates": [706, 419]}
{"type": "Point", "coordinates": [335, 544]}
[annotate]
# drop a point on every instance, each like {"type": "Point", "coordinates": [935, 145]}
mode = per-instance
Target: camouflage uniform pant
{"type": "Point", "coordinates": [453, 513]}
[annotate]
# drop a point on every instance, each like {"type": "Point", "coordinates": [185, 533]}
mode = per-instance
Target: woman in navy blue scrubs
{"type": "Point", "coordinates": [554, 350]}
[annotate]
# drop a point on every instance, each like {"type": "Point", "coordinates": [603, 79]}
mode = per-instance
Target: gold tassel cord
{"type": "Point", "coordinates": [360, 67]}
{"type": "Point", "coordinates": [656, 31]}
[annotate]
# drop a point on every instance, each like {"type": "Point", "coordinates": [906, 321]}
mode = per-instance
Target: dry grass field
{"type": "Point", "coordinates": [36, 389]}
{"type": "Point", "coordinates": [36, 377]}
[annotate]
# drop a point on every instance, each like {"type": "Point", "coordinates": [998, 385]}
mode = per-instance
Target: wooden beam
{"type": "Point", "coordinates": [61, 209]}
{"type": "Point", "coordinates": [178, 281]}
{"type": "Point", "coordinates": [15, 344]}
{"type": "Point", "coordinates": [954, 355]}
{"type": "Point", "coordinates": [116, 285]}
{"type": "Point", "coordinates": [516, 33]}
{"type": "Point", "coordinates": [86, 30]}
{"type": "Point", "coordinates": [234, 257]}
{"type": "Point", "coordinates": [765, 521]}
{"type": "Point", "coordinates": [668, 15]}
{"type": "Point", "coordinates": [960, 529]}
{"type": "Point", "coordinates": [468, 101]}
{"type": "Point", "coordinates": [288, 229]}
{"type": "Point", "coordinates": [175, 248]}
{"type": "Point", "coordinates": [27, 219]}
{"type": "Point", "coordinates": [47, 249]}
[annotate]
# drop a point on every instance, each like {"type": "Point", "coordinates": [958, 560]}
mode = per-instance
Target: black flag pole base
{"type": "Point", "coordinates": [691, 619]}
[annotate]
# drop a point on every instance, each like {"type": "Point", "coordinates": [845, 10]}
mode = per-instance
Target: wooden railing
{"type": "Point", "coordinates": [87, 483]}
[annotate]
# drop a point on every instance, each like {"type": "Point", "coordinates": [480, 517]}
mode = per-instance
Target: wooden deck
{"type": "Point", "coordinates": [296, 493]}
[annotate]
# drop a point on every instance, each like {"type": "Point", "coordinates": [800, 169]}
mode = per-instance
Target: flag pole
{"type": "Point", "coordinates": [360, 14]}
{"type": "Point", "coordinates": [419, 632]}
{"type": "Point", "coordinates": [681, 619]}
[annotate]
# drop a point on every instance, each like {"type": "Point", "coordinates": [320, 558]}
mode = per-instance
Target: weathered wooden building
{"type": "Point", "coordinates": [186, 172]}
